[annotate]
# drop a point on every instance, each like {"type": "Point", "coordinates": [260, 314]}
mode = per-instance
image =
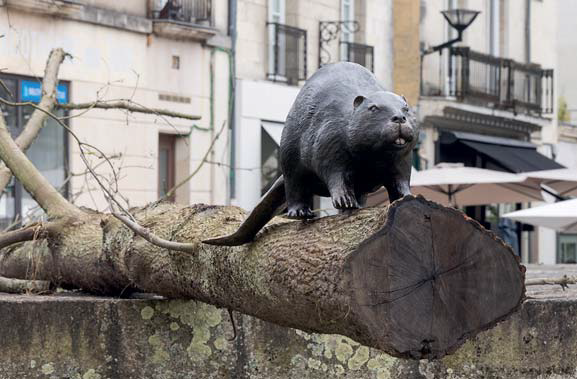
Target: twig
{"type": "Point", "coordinates": [154, 239]}
{"type": "Point", "coordinates": [563, 282]}
{"type": "Point", "coordinates": [25, 234]}
{"type": "Point", "coordinates": [37, 185]}
{"type": "Point", "coordinates": [147, 234]}
{"type": "Point", "coordinates": [130, 106]}
{"type": "Point", "coordinates": [20, 286]}
{"type": "Point", "coordinates": [81, 144]}
{"type": "Point", "coordinates": [36, 121]}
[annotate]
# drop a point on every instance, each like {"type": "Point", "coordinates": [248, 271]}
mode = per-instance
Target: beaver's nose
{"type": "Point", "coordinates": [399, 119]}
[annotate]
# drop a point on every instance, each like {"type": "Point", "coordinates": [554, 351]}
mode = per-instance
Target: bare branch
{"type": "Point", "coordinates": [130, 106]}
{"type": "Point", "coordinates": [563, 281]}
{"type": "Point", "coordinates": [36, 121]}
{"type": "Point", "coordinates": [29, 233]}
{"type": "Point", "coordinates": [21, 286]}
{"type": "Point", "coordinates": [154, 239]}
{"type": "Point", "coordinates": [147, 234]}
{"type": "Point", "coordinates": [37, 185]}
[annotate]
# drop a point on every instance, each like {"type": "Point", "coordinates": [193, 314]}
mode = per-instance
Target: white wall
{"type": "Point", "coordinates": [567, 154]}
{"type": "Point", "coordinates": [256, 101]}
{"type": "Point", "coordinates": [110, 63]}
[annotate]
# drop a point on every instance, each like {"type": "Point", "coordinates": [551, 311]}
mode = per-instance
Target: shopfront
{"type": "Point", "coordinates": [49, 152]}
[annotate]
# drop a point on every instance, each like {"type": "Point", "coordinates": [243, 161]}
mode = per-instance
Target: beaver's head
{"type": "Point", "coordinates": [382, 121]}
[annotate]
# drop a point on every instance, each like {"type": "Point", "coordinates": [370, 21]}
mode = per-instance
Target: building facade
{"type": "Point", "coordinates": [489, 101]}
{"type": "Point", "coordinates": [166, 54]}
{"type": "Point", "coordinates": [283, 42]}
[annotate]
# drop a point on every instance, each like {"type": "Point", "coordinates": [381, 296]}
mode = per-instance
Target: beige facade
{"type": "Point", "coordinates": [119, 51]}
{"type": "Point", "coordinates": [373, 16]}
{"type": "Point", "coordinates": [406, 49]}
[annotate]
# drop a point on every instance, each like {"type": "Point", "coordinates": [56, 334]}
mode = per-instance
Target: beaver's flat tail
{"type": "Point", "coordinates": [269, 206]}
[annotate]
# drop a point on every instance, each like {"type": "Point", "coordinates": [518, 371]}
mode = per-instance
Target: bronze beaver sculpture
{"type": "Point", "coordinates": [345, 136]}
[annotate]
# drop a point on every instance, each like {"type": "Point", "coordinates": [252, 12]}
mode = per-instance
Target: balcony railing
{"type": "Point", "coordinates": [487, 80]}
{"type": "Point", "coordinates": [287, 53]}
{"type": "Point", "coordinates": [359, 53]}
{"type": "Point", "coordinates": [195, 12]}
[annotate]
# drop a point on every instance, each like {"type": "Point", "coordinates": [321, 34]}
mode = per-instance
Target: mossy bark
{"type": "Point", "coordinates": [331, 275]}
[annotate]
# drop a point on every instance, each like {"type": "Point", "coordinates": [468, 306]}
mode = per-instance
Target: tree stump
{"type": "Point", "coordinates": [431, 278]}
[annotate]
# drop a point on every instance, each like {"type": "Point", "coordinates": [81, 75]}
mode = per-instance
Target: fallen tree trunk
{"type": "Point", "coordinates": [414, 279]}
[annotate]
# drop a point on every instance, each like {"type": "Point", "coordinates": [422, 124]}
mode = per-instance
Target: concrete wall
{"type": "Point", "coordinates": [82, 337]}
{"type": "Point", "coordinates": [138, 8]}
{"type": "Point", "coordinates": [112, 63]}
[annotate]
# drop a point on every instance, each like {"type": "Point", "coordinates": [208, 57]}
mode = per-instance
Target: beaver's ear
{"type": "Point", "coordinates": [358, 101]}
{"type": "Point", "coordinates": [406, 102]}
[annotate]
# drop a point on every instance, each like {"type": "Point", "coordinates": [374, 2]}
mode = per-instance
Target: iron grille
{"type": "Point", "coordinates": [487, 80]}
{"type": "Point", "coordinates": [288, 53]}
{"type": "Point", "coordinates": [359, 53]}
{"type": "Point", "coordinates": [186, 11]}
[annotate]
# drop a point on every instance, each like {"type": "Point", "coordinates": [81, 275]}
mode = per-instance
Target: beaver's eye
{"type": "Point", "coordinates": [405, 109]}
{"type": "Point", "coordinates": [373, 108]}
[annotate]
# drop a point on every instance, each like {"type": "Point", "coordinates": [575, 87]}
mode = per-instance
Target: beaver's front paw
{"type": "Point", "coordinates": [345, 200]}
{"type": "Point", "coordinates": [300, 213]}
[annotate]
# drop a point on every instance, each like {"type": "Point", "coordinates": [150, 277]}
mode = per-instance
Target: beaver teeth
{"type": "Point", "coordinates": [400, 141]}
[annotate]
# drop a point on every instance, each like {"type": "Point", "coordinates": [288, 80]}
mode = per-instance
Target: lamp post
{"type": "Point", "coordinates": [459, 19]}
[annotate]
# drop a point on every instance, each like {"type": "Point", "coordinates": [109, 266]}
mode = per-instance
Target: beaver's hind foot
{"type": "Point", "coordinates": [302, 212]}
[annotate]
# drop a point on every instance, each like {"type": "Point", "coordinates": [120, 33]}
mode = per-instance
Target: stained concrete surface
{"type": "Point", "coordinates": [86, 337]}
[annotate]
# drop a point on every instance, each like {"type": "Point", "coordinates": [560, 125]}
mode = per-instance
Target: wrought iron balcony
{"type": "Point", "coordinates": [287, 53]}
{"type": "Point", "coordinates": [487, 80]}
{"type": "Point", "coordinates": [359, 53]}
{"type": "Point", "coordinates": [194, 12]}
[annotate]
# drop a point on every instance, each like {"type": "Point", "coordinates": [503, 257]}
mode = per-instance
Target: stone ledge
{"type": "Point", "coordinates": [74, 336]}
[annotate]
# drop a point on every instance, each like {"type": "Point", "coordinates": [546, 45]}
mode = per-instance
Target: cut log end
{"type": "Point", "coordinates": [430, 279]}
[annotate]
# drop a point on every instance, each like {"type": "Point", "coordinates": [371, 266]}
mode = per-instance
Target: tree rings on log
{"type": "Point", "coordinates": [430, 279]}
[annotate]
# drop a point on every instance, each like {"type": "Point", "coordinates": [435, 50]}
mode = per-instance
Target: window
{"type": "Point", "coordinates": [567, 248]}
{"type": "Point", "coordinates": [183, 11]}
{"type": "Point", "coordinates": [358, 53]}
{"type": "Point", "coordinates": [49, 152]}
{"type": "Point", "coordinates": [176, 62]}
{"type": "Point", "coordinates": [276, 15]}
{"type": "Point", "coordinates": [347, 14]}
{"type": "Point", "coordinates": [166, 165]}
{"type": "Point", "coordinates": [269, 154]}
{"type": "Point", "coordinates": [286, 47]}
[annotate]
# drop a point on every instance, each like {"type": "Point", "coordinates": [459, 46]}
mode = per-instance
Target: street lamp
{"type": "Point", "coordinates": [459, 19]}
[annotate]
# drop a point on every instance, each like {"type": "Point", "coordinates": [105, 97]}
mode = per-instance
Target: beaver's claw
{"type": "Point", "coordinates": [300, 213]}
{"type": "Point", "coordinates": [345, 200]}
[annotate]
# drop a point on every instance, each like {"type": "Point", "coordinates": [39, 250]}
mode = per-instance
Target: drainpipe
{"type": "Point", "coordinates": [232, 15]}
{"type": "Point", "coordinates": [527, 31]}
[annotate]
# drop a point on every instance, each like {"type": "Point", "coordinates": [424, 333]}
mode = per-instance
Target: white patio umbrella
{"type": "Point", "coordinates": [562, 180]}
{"type": "Point", "coordinates": [560, 216]}
{"type": "Point", "coordinates": [453, 184]}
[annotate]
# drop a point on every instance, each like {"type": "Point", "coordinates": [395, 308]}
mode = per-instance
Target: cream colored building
{"type": "Point", "coordinates": [161, 57]}
{"type": "Point", "coordinates": [283, 42]}
{"type": "Point", "coordinates": [491, 100]}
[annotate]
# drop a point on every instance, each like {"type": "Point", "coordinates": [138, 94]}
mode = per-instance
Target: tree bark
{"type": "Point", "coordinates": [23, 286]}
{"type": "Point", "coordinates": [414, 279]}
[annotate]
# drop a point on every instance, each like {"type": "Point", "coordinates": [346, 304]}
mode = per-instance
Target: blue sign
{"type": "Point", "coordinates": [32, 91]}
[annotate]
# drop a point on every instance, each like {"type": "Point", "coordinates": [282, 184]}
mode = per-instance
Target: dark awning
{"type": "Point", "coordinates": [515, 156]}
